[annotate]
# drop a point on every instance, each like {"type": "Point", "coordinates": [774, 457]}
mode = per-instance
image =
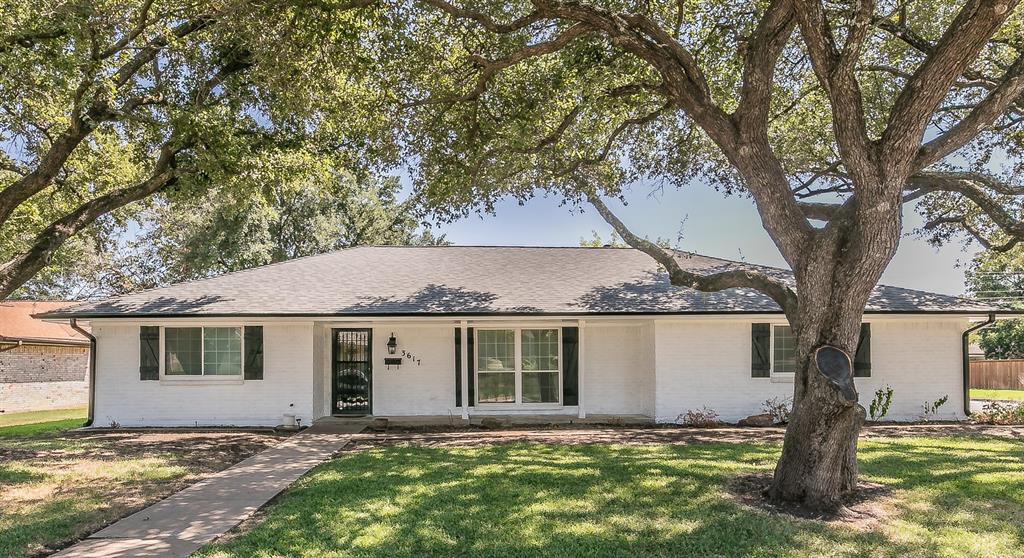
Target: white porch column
{"type": "Point", "coordinates": [464, 360]}
{"type": "Point", "coordinates": [582, 367]}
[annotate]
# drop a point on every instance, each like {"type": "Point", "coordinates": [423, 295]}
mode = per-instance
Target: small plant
{"type": "Point", "coordinates": [114, 424]}
{"type": "Point", "coordinates": [704, 417]}
{"type": "Point", "coordinates": [779, 410]}
{"type": "Point", "coordinates": [1000, 413]}
{"type": "Point", "coordinates": [930, 409]}
{"type": "Point", "coordinates": [880, 404]}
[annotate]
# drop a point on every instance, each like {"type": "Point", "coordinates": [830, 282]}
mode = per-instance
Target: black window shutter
{"type": "Point", "coordinates": [862, 359]}
{"type": "Point", "coordinates": [760, 350]}
{"type": "Point", "coordinates": [570, 366]}
{"type": "Point", "coordinates": [472, 367]}
{"type": "Point", "coordinates": [458, 367]}
{"type": "Point", "coordinates": [253, 352]}
{"type": "Point", "coordinates": [149, 353]}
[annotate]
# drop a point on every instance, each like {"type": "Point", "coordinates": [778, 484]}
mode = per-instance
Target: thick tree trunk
{"type": "Point", "coordinates": [818, 466]}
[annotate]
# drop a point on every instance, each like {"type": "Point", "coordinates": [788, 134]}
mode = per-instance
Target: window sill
{"type": "Point", "coordinates": [202, 380]}
{"type": "Point", "coordinates": [783, 378]}
{"type": "Point", "coordinates": [519, 406]}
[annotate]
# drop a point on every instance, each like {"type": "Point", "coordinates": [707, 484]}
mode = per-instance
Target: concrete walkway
{"type": "Point", "coordinates": [185, 521]}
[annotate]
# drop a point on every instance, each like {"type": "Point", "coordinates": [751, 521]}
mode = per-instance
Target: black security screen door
{"type": "Point", "coordinates": [352, 371]}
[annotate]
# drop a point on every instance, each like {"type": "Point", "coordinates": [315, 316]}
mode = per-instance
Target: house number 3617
{"type": "Point", "coordinates": [411, 357]}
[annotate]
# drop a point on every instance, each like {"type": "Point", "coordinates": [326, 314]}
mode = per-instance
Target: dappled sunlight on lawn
{"type": "Point", "coordinates": [959, 496]}
{"type": "Point", "coordinates": [954, 497]}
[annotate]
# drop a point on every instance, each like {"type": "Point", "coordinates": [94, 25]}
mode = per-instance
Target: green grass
{"type": "Point", "coordinates": [56, 487]}
{"type": "Point", "coordinates": [1004, 394]}
{"type": "Point", "coordinates": [954, 497]}
{"type": "Point", "coordinates": [37, 422]}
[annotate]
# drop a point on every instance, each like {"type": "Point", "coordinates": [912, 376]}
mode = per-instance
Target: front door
{"type": "Point", "coordinates": [352, 372]}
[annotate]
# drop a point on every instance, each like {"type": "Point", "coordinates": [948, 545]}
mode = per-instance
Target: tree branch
{"type": "Point", "coordinates": [80, 127]}
{"type": "Point", "coordinates": [970, 189]}
{"type": "Point", "coordinates": [732, 279]}
{"type": "Point", "coordinates": [484, 20]}
{"type": "Point", "coordinates": [491, 68]}
{"type": "Point", "coordinates": [835, 71]}
{"type": "Point", "coordinates": [921, 95]}
{"type": "Point", "coordinates": [981, 116]}
{"type": "Point", "coordinates": [22, 267]}
{"type": "Point", "coordinates": [766, 44]}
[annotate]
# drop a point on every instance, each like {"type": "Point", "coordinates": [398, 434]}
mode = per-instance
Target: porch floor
{"type": "Point", "coordinates": [509, 419]}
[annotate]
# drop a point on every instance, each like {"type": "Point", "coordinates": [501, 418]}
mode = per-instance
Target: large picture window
{"type": "Point", "coordinates": [518, 365]}
{"type": "Point", "coordinates": [203, 351]}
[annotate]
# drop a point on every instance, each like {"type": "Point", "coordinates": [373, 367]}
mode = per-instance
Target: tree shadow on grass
{"type": "Point", "coordinates": [11, 475]}
{"type": "Point", "coordinates": [961, 494]}
{"type": "Point", "coordinates": [602, 500]}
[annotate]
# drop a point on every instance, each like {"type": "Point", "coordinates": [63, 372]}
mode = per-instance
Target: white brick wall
{"type": "Point", "coordinates": [707, 362]}
{"type": "Point", "coordinates": [619, 376]}
{"type": "Point", "coordinates": [287, 386]}
{"type": "Point", "coordinates": [657, 368]}
{"type": "Point", "coordinates": [427, 388]}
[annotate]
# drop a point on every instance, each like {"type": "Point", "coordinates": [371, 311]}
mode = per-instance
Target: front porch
{"type": "Point", "coordinates": [443, 371]}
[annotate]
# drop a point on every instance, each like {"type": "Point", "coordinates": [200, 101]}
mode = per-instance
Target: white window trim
{"type": "Point", "coordinates": [203, 378]}
{"type": "Point", "coordinates": [518, 370]}
{"type": "Point", "coordinates": [780, 377]}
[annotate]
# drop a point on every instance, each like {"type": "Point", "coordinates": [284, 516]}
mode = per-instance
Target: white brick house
{"type": "Point", "coordinates": [472, 331]}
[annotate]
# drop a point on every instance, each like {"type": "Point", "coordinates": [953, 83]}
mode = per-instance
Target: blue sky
{"type": "Point", "coordinates": [714, 225]}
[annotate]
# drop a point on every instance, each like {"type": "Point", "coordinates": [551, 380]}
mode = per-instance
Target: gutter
{"type": "Point", "coordinates": [965, 349]}
{"type": "Point", "coordinates": [92, 369]}
{"type": "Point", "coordinates": [13, 345]}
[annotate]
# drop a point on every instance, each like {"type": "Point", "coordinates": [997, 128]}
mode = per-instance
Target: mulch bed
{"type": "Point", "coordinates": [201, 451]}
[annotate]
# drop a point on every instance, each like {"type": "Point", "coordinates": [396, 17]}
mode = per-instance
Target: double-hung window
{"type": "Point", "coordinates": [203, 351]}
{"type": "Point", "coordinates": [519, 365]}
{"type": "Point", "coordinates": [783, 352]}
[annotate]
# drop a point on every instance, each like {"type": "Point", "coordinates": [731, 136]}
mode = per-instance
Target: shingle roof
{"type": "Point", "coordinates": [474, 280]}
{"type": "Point", "coordinates": [17, 323]}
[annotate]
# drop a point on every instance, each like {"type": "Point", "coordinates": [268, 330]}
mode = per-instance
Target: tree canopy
{"type": "Point", "coordinates": [106, 103]}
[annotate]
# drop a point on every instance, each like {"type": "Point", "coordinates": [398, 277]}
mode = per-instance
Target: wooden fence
{"type": "Point", "coordinates": [997, 374]}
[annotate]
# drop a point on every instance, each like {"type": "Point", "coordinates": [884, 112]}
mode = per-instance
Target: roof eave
{"type": "Point", "coordinates": [161, 315]}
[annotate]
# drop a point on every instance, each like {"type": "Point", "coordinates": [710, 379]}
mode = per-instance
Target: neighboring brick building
{"type": "Point", "coordinates": [43, 365]}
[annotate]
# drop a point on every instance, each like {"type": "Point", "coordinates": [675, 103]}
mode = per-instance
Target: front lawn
{"type": "Point", "coordinates": [998, 394]}
{"type": "Point", "coordinates": [57, 486]}
{"type": "Point", "coordinates": [953, 497]}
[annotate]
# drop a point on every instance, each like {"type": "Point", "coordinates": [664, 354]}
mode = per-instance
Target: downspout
{"type": "Point", "coordinates": [965, 351]}
{"type": "Point", "coordinates": [92, 369]}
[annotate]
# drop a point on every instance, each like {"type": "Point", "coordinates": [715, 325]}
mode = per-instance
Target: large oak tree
{"type": "Point", "coordinates": [830, 116]}
{"type": "Point", "coordinates": [107, 103]}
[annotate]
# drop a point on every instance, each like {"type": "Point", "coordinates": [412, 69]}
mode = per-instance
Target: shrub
{"type": "Point", "coordinates": [1000, 413]}
{"type": "Point", "coordinates": [880, 404]}
{"type": "Point", "coordinates": [704, 417]}
{"type": "Point", "coordinates": [779, 410]}
{"type": "Point", "coordinates": [930, 409]}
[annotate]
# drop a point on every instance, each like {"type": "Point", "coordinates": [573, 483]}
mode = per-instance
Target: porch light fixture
{"type": "Point", "coordinates": [392, 344]}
